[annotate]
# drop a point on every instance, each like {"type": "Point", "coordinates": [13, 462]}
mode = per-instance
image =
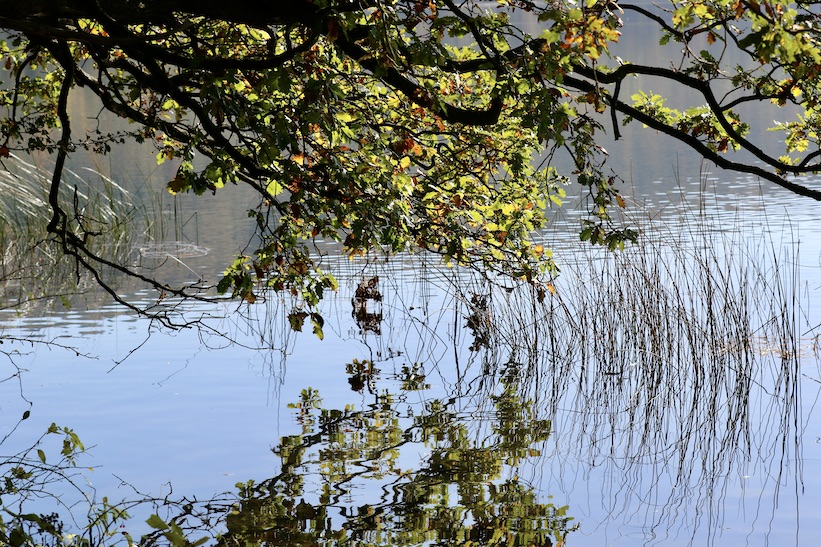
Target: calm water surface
{"type": "Point", "coordinates": [193, 412]}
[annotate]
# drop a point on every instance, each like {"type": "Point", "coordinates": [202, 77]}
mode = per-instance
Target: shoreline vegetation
{"type": "Point", "coordinates": [33, 270]}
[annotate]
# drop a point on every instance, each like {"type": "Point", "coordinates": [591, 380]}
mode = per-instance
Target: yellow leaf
{"type": "Point", "coordinates": [405, 162]}
{"type": "Point", "coordinates": [274, 188]}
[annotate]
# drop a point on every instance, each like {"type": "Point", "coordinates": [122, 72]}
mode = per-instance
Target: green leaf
{"type": "Point", "coordinates": [157, 523]}
{"type": "Point", "coordinates": [753, 38]}
{"type": "Point", "coordinates": [318, 323]}
{"type": "Point", "coordinates": [18, 538]}
{"type": "Point", "coordinates": [224, 284]}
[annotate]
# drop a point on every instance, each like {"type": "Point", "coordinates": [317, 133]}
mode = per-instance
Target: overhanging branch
{"type": "Point", "coordinates": [57, 224]}
{"type": "Point", "coordinates": [702, 87]}
{"type": "Point", "coordinates": [693, 142]}
{"type": "Point", "coordinates": [419, 95]}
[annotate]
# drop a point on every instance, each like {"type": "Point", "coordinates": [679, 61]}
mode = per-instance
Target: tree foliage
{"type": "Point", "coordinates": [402, 124]}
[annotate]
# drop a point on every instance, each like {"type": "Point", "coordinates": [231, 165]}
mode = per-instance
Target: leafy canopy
{"type": "Point", "coordinates": [401, 124]}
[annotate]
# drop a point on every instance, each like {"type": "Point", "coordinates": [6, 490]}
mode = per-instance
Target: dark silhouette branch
{"type": "Point", "coordinates": [718, 158]}
{"type": "Point", "coordinates": [419, 95]}
{"type": "Point", "coordinates": [690, 82]}
{"type": "Point", "coordinates": [57, 224]}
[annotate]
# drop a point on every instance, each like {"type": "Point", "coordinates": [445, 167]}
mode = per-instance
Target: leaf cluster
{"type": "Point", "coordinates": [404, 125]}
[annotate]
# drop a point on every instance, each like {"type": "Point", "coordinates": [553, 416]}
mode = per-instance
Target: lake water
{"type": "Point", "coordinates": [706, 447]}
{"type": "Point", "coordinates": [665, 396]}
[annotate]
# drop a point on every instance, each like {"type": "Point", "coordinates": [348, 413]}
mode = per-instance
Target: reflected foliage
{"type": "Point", "coordinates": [465, 490]}
{"type": "Point", "coordinates": [367, 306]}
{"type": "Point", "coordinates": [388, 473]}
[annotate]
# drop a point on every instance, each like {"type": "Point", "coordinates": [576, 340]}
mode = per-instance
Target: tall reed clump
{"type": "Point", "coordinates": [32, 268]}
{"type": "Point", "coordinates": [675, 362]}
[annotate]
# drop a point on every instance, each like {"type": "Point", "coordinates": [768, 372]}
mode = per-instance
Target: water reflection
{"type": "Point", "coordinates": [349, 477]}
{"type": "Point", "coordinates": [663, 394]}
{"type": "Point", "coordinates": [657, 394]}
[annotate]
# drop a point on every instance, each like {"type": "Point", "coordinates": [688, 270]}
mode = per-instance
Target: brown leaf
{"type": "Point", "coordinates": [177, 184]}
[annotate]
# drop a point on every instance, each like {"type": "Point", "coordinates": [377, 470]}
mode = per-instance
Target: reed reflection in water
{"type": "Point", "coordinates": [672, 375]}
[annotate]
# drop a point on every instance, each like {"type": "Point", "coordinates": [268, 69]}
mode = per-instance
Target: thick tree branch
{"type": "Point", "coordinates": [419, 95]}
{"type": "Point", "coordinates": [134, 12]}
{"type": "Point", "coordinates": [57, 224]}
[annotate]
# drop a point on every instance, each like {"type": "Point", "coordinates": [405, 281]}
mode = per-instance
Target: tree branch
{"type": "Point", "coordinates": [57, 224]}
{"type": "Point", "coordinates": [417, 94]}
{"type": "Point", "coordinates": [693, 142]}
{"type": "Point", "coordinates": [702, 87]}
